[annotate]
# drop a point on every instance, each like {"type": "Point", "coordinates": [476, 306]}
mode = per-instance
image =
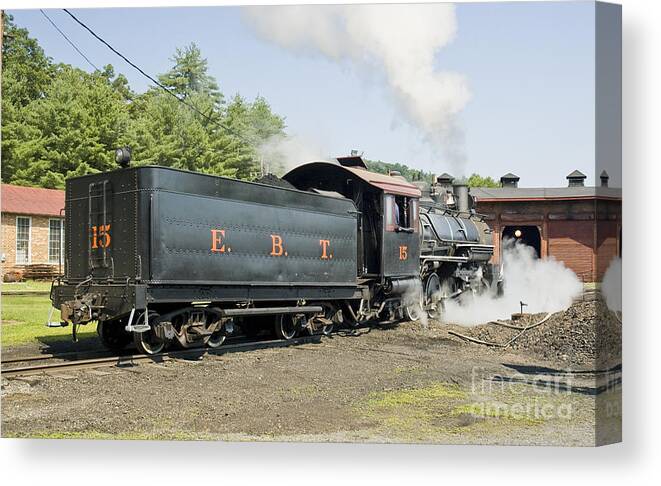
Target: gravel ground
{"type": "Point", "coordinates": [403, 384]}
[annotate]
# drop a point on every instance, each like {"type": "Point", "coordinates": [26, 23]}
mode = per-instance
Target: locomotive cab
{"type": "Point", "coordinates": [387, 228]}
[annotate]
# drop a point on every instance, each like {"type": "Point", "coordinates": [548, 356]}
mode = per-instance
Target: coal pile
{"type": "Point", "coordinates": [586, 335]}
{"type": "Point", "coordinates": [273, 180]}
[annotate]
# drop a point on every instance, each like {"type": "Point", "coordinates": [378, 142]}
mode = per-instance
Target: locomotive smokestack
{"type": "Point", "coordinates": [461, 196]}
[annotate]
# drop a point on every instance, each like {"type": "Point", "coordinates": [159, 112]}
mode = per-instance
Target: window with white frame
{"type": "Point", "coordinates": [55, 241]}
{"type": "Point", "coordinates": [23, 239]}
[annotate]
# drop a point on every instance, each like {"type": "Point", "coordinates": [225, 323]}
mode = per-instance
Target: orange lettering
{"type": "Point", "coordinates": [217, 243]}
{"type": "Point", "coordinates": [324, 246]}
{"type": "Point", "coordinates": [403, 252]}
{"type": "Point", "coordinates": [276, 246]}
{"type": "Point", "coordinates": [104, 231]}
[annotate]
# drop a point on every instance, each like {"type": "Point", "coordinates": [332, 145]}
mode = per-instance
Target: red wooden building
{"type": "Point", "coordinates": [578, 225]}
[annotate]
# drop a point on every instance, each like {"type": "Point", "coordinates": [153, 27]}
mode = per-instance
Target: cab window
{"type": "Point", "coordinates": [401, 212]}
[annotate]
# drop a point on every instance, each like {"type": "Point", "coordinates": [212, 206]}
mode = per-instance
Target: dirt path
{"type": "Point", "coordinates": [406, 384]}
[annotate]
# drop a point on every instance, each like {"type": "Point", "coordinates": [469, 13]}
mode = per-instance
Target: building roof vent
{"type": "Point", "coordinates": [509, 180]}
{"type": "Point", "coordinates": [604, 178]}
{"type": "Point", "coordinates": [576, 179]}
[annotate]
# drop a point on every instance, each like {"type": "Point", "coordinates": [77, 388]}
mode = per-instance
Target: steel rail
{"type": "Point", "coordinates": [46, 356]}
{"type": "Point", "coordinates": [92, 353]}
{"type": "Point", "coordinates": [133, 359]}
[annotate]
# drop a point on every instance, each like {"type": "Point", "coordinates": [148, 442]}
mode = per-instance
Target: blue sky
{"type": "Point", "coordinates": [530, 68]}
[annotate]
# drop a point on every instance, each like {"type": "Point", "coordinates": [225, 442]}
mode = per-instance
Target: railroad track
{"type": "Point", "coordinates": [67, 355]}
{"type": "Point", "coordinates": [135, 359]}
{"type": "Point", "coordinates": [93, 353]}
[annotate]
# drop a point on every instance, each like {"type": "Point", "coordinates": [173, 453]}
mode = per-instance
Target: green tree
{"type": "Point", "coordinates": [59, 121]}
{"type": "Point", "coordinates": [223, 141]}
{"type": "Point", "coordinates": [71, 130]}
{"type": "Point", "coordinates": [476, 180]}
{"type": "Point", "coordinates": [165, 132]}
{"type": "Point", "coordinates": [26, 73]}
{"type": "Point", "coordinates": [189, 75]}
{"type": "Point", "coordinates": [407, 172]}
{"type": "Point", "coordinates": [263, 123]}
{"type": "Point", "coordinates": [118, 82]}
{"type": "Point", "coordinates": [26, 70]}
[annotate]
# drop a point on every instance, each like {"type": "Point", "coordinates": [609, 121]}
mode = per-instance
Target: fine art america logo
{"type": "Point", "coordinates": [546, 395]}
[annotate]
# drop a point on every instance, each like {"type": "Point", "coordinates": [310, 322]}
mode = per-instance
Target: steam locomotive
{"type": "Point", "coordinates": [160, 256]}
{"type": "Point", "coordinates": [457, 245]}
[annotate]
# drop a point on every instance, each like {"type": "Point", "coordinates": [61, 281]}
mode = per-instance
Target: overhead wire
{"type": "Point", "coordinates": [69, 40]}
{"type": "Point", "coordinates": [155, 81]}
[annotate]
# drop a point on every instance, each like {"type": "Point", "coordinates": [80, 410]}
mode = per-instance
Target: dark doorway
{"type": "Point", "coordinates": [528, 235]}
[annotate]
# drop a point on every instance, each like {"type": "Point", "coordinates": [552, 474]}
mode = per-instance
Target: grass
{"type": "Point", "coordinates": [417, 397]}
{"type": "Point", "coordinates": [24, 320]}
{"type": "Point", "coordinates": [440, 410]}
{"type": "Point", "coordinates": [27, 286]}
{"type": "Point", "coordinates": [412, 414]}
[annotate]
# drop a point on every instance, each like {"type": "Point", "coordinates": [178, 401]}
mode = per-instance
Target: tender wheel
{"type": "Point", "coordinates": [330, 313]}
{"type": "Point", "coordinates": [432, 293]}
{"type": "Point", "coordinates": [285, 326]}
{"type": "Point", "coordinates": [112, 334]}
{"type": "Point", "coordinates": [217, 338]}
{"type": "Point", "coordinates": [148, 342]}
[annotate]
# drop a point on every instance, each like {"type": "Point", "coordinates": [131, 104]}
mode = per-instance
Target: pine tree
{"type": "Point", "coordinates": [60, 121]}
{"type": "Point", "coordinates": [189, 75]}
{"type": "Point", "coordinates": [71, 130]}
{"type": "Point", "coordinates": [26, 73]}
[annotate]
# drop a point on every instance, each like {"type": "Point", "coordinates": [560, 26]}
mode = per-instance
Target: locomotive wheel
{"type": "Point", "coordinates": [148, 342]}
{"type": "Point", "coordinates": [413, 309]}
{"type": "Point", "coordinates": [432, 290]}
{"type": "Point", "coordinates": [413, 312]}
{"type": "Point", "coordinates": [112, 334]}
{"type": "Point", "coordinates": [285, 326]}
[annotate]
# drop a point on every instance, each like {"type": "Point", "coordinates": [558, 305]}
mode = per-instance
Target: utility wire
{"type": "Point", "coordinates": [69, 40]}
{"type": "Point", "coordinates": [157, 83]}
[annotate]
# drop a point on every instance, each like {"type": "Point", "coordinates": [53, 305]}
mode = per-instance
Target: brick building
{"type": "Point", "coordinates": [578, 225]}
{"type": "Point", "coordinates": [32, 227]}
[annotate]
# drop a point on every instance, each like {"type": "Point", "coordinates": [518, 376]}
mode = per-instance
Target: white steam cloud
{"type": "Point", "coordinates": [280, 153]}
{"type": "Point", "coordinates": [400, 41]}
{"type": "Point", "coordinates": [546, 285]}
{"type": "Point", "coordinates": [611, 285]}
